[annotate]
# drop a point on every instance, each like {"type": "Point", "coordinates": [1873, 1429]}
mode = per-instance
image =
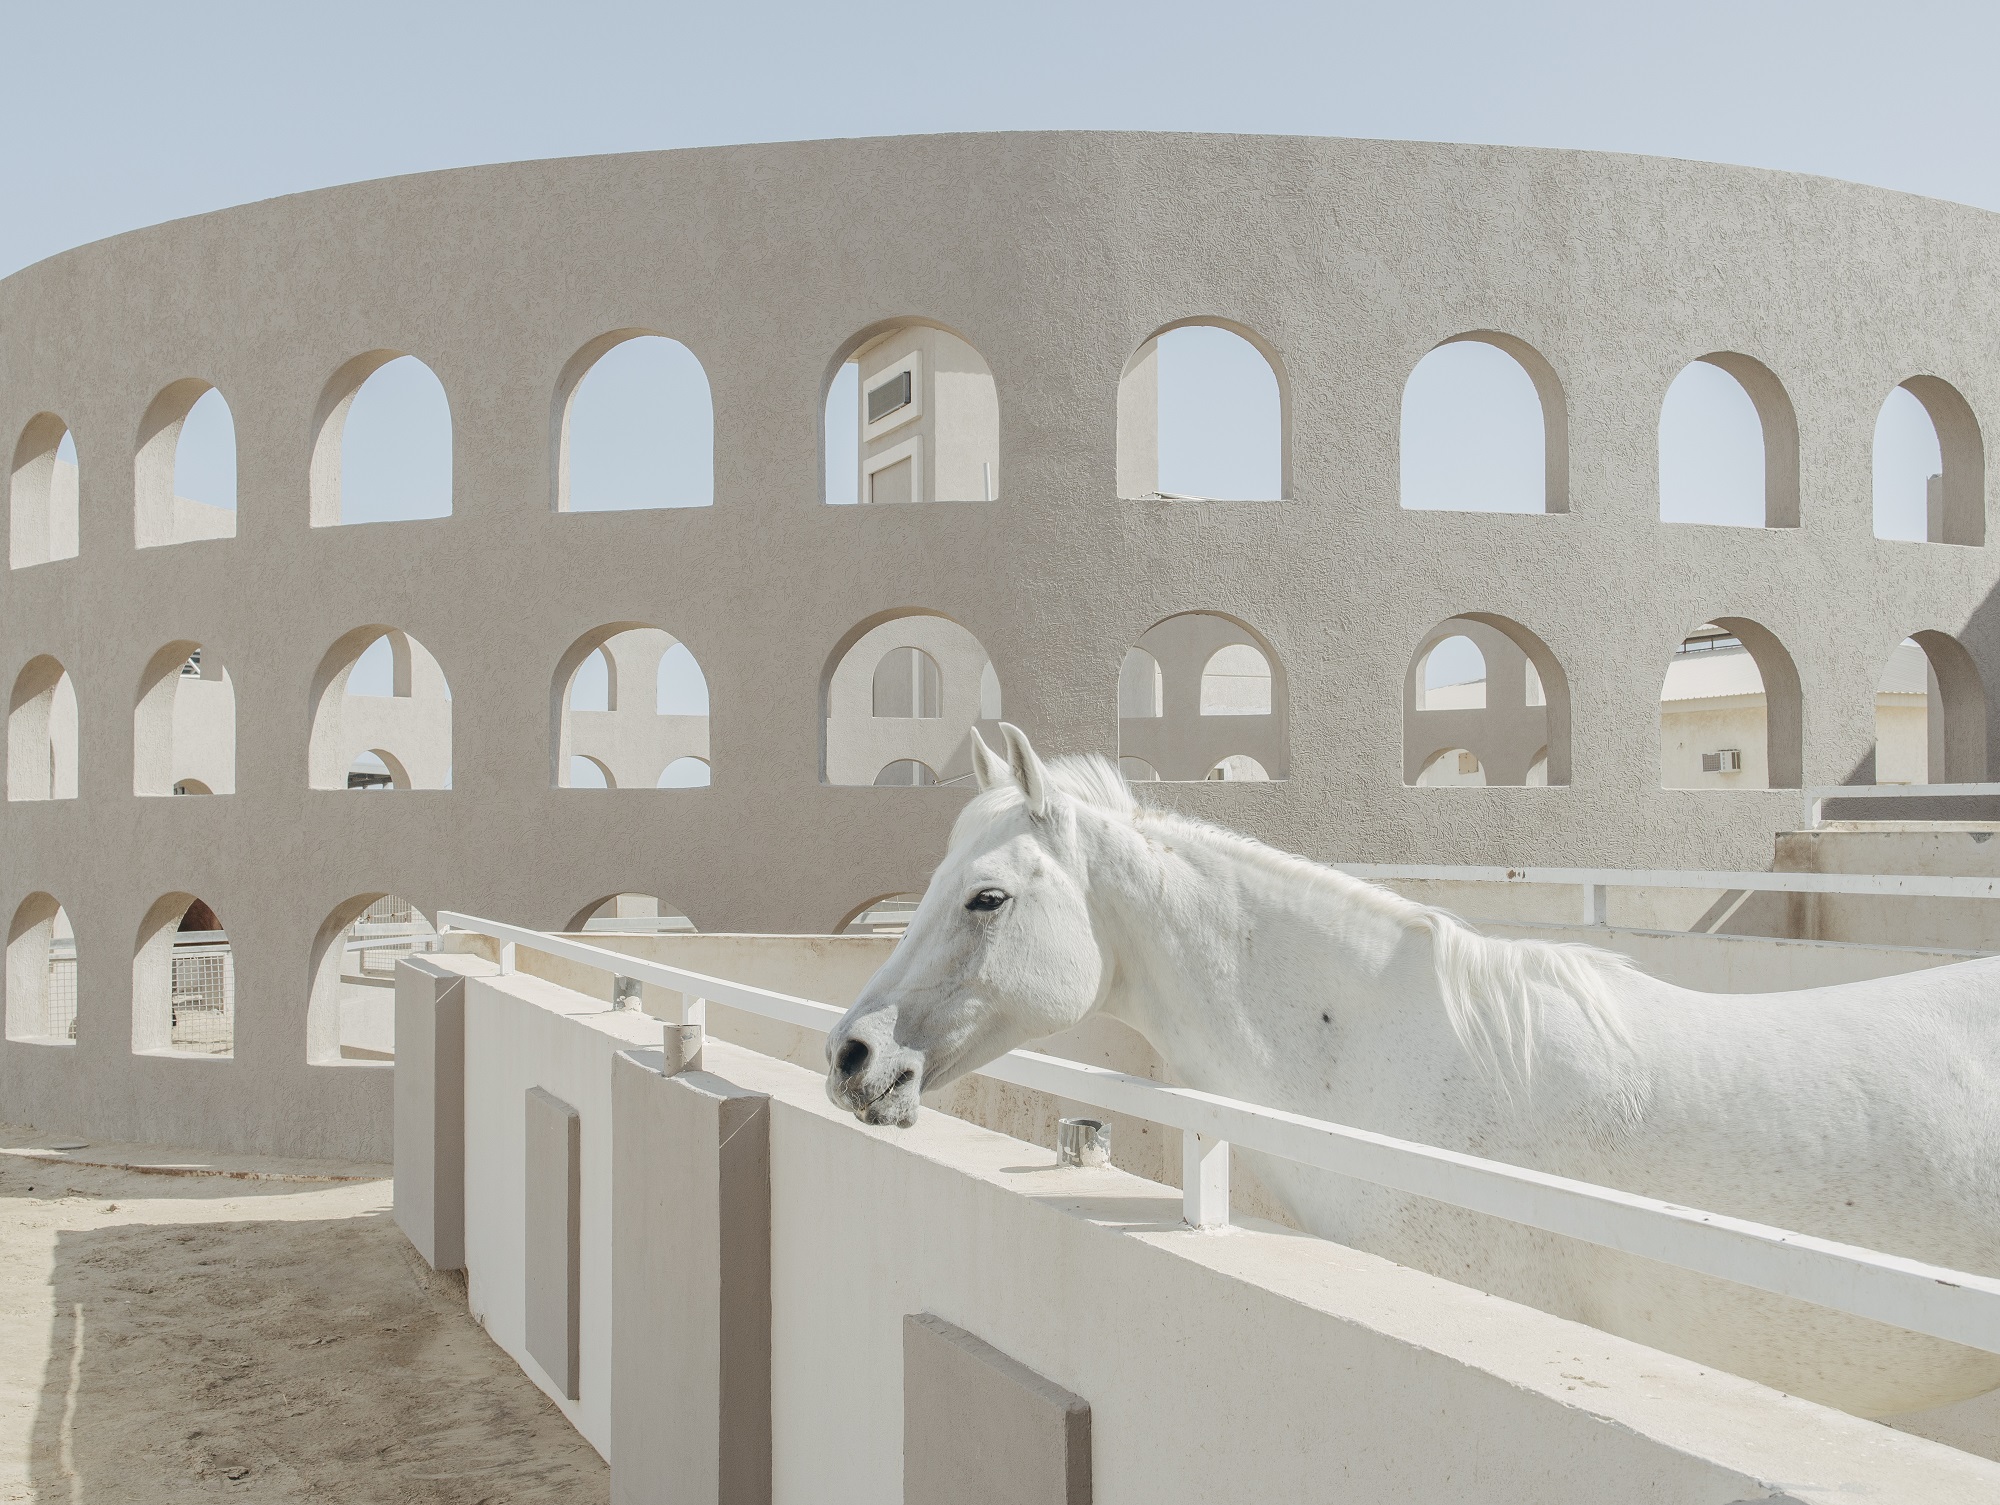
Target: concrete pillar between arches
{"type": "Point", "coordinates": [691, 1284]}
{"type": "Point", "coordinates": [980, 1428]}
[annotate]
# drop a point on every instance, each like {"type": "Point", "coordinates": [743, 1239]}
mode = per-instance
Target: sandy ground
{"type": "Point", "coordinates": [267, 1334]}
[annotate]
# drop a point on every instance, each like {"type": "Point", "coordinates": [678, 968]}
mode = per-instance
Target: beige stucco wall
{"type": "Point", "coordinates": [1056, 256]}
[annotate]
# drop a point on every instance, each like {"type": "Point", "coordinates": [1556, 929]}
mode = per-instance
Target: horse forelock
{"type": "Point", "coordinates": [1495, 990]}
{"type": "Point", "coordinates": [1088, 779]}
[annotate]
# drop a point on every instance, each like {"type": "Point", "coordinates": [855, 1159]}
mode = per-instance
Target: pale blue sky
{"type": "Point", "coordinates": [122, 114]}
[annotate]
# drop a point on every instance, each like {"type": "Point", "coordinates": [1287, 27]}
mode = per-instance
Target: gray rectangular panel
{"type": "Point", "coordinates": [554, 1222]}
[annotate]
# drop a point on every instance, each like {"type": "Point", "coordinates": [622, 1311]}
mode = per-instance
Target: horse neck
{"type": "Point", "coordinates": [1240, 972]}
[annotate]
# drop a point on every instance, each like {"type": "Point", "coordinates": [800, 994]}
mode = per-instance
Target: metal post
{"type": "Point", "coordinates": [683, 1041]}
{"type": "Point", "coordinates": [1083, 1141]}
{"type": "Point", "coordinates": [1595, 904]}
{"type": "Point", "coordinates": [1204, 1180]}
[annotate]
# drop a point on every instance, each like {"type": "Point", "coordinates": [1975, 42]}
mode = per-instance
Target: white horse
{"type": "Point", "coordinates": [1867, 1113]}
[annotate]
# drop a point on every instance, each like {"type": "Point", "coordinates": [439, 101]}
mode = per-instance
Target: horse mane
{"type": "Point", "coordinates": [1495, 990]}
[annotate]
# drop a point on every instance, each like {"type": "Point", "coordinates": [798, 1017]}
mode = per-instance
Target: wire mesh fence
{"type": "Point", "coordinates": [204, 999]}
{"type": "Point", "coordinates": [60, 996]}
{"type": "Point", "coordinates": [383, 934]}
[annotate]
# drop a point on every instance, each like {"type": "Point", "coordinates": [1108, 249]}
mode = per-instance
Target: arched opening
{"type": "Point", "coordinates": [42, 733]}
{"type": "Point", "coordinates": [351, 993]}
{"type": "Point", "coordinates": [1485, 428]}
{"type": "Point", "coordinates": [635, 426]}
{"type": "Point", "coordinates": [1212, 690]}
{"type": "Point", "coordinates": [632, 914]}
{"type": "Point", "coordinates": [1485, 702]}
{"type": "Point", "coordinates": [42, 491]}
{"type": "Point", "coordinates": [381, 706]}
{"type": "Point", "coordinates": [183, 981]}
{"type": "Point", "coordinates": [1239, 768]}
{"type": "Point", "coordinates": [686, 773]}
{"type": "Point", "coordinates": [908, 686]}
{"type": "Point", "coordinates": [375, 769]}
{"type": "Point", "coordinates": [1730, 711]}
{"type": "Point", "coordinates": [1930, 714]}
{"type": "Point", "coordinates": [889, 915]}
{"type": "Point", "coordinates": [589, 773]}
{"type": "Point", "coordinates": [1729, 446]}
{"type": "Point", "coordinates": [630, 706]}
{"type": "Point", "coordinates": [1236, 681]}
{"type": "Point", "coordinates": [1203, 413]}
{"type": "Point", "coordinates": [41, 973]}
{"type": "Point", "coordinates": [1452, 768]}
{"type": "Point", "coordinates": [907, 689]}
{"type": "Point", "coordinates": [1452, 676]}
{"type": "Point", "coordinates": [382, 446]}
{"type": "Point", "coordinates": [905, 773]}
{"type": "Point", "coordinates": [184, 725]}
{"type": "Point", "coordinates": [1930, 466]}
{"type": "Point", "coordinates": [1138, 771]}
{"type": "Point", "coordinates": [184, 471]}
{"type": "Point", "coordinates": [912, 415]}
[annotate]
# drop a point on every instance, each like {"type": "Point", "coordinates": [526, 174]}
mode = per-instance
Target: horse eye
{"type": "Point", "coordinates": [986, 899]}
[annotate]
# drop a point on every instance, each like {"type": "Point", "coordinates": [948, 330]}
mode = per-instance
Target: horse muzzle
{"type": "Point", "coordinates": [877, 1084]}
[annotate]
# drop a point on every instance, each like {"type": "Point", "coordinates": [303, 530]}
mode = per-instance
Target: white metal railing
{"type": "Point", "coordinates": [1595, 881]}
{"type": "Point", "coordinates": [1817, 796]}
{"type": "Point", "coordinates": [1942, 1303]}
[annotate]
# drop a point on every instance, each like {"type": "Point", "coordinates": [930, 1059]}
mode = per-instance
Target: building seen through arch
{"type": "Point", "coordinates": [902, 702]}
{"type": "Point", "coordinates": [912, 415]}
{"type": "Point", "coordinates": [1476, 708]}
{"type": "Point", "coordinates": [1201, 697]}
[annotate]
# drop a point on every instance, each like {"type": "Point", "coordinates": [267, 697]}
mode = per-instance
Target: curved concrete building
{"type": "Point", "coordinates": [1000, 297]}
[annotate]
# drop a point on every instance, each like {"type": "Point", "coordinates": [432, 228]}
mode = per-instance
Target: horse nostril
{"type": "Point", "coordinates": [852, 1057]}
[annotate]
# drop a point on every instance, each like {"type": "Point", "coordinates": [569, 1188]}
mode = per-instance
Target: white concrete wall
{"type": "Point", "coordinates": [194, 521]}
{"type": "Point", "coordinates": [521, 1032]}
{"type": "Point", "coordinates": [1253, 1366]}
{"type": "Point", "coordinates": [204, 732]}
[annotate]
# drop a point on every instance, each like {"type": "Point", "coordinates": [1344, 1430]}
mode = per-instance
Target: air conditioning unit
{"type": "Point", "coordinates": [1728, 760]}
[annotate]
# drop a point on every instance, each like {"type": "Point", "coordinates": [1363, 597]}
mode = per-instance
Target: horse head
{"type": "Point", "coordinates": [1000, 951]}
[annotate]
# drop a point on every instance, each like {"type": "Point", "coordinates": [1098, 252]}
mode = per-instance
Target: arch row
{"type": "Point", "coordinates": [1200, 695]}
{"type": "Point", "coordinates": [912, 414]}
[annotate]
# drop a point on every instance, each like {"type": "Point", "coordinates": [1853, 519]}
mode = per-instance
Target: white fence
{"type": "Point", "coordinates": [1595, 882]}
{"type": "Point", "coordinates": [1950, 1304]}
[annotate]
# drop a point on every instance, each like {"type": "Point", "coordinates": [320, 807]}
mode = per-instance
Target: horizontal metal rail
{"type": "Point", "coordinates": [1910, 885]}
{"type": "Point", "coordinates": [1818, 795]}
{"type": "Point", "coordinates": [1942, 1303]}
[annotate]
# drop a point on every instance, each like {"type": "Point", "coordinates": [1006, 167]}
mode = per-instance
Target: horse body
{"type": "Point", "coordinates": [1867, 1113]}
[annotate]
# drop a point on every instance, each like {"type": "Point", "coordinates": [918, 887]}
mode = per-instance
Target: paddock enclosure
{"type": "Point", "coordinates": [1341, 490]}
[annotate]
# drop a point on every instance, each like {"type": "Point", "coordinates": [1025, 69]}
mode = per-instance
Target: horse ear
{"type": "Point", "coordinates": [988, 767]}
{"type": "Point", "coordinates": [1026, 768]}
